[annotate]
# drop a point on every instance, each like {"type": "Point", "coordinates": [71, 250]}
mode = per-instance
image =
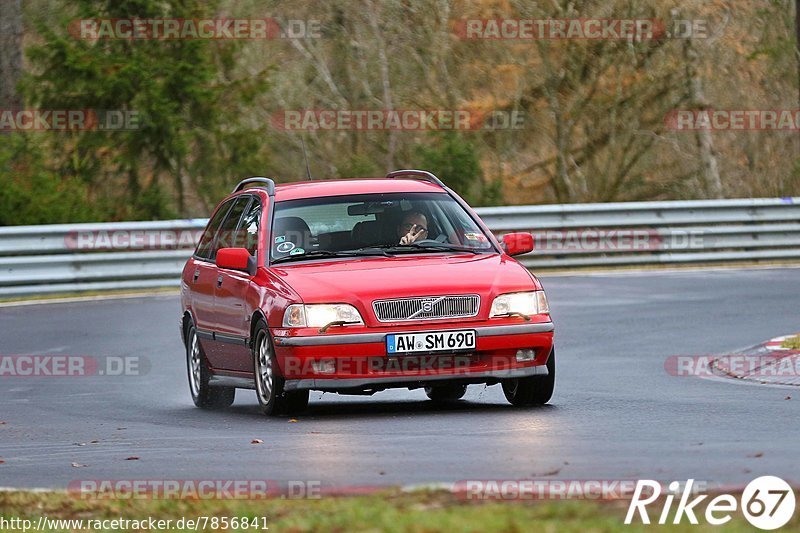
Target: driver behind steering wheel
{"type": "Point", "coordinates": [413, 227]}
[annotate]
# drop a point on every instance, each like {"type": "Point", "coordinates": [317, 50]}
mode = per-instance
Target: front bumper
{"type": "Point", "coordinates": [371, 338]}
{"type": "Point", "coordinates": [360, 360]}
{"type": "Point", "coordinates": [388, 382]}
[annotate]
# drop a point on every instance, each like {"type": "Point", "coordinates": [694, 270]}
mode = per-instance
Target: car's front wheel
{"type": "Point", "coordinates": [445, 393]}
{"type": "Point", "coordinates": [535, 390]}
{"type": "Point", "coordinates": [203, 395]}
{"type": "Point", "coordinates": [272, 397]}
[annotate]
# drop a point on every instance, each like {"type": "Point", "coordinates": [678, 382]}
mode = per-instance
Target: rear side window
{"type": "Point", "coordinates": [227, 234]}
{"type": "Point", "coordinates": [206, 243]}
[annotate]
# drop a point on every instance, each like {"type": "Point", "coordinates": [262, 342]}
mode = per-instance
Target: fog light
{"type": "Point", "coordinates": [525, 356]}
{"type": "Point", "coordinates": [326, 366]}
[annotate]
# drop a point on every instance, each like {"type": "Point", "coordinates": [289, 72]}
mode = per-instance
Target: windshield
{"type": "Point", "coordinates": [373, 224]}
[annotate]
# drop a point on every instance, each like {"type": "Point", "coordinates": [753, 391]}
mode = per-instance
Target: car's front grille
{"type": "Point", "coordinates": [425, 308]}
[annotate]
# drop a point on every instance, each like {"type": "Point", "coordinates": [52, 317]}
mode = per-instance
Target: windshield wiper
{"type": "Point", "coordinates": [317, 254]}
{"type": "Point", "coordinates": [425, 246]}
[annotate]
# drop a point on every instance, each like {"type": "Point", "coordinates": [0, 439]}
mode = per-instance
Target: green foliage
{"type": "Point", "coordinates": [191, 132]}
{"type": "Point", "coordinates": [392, 510]}
{"type": "Point", "coordinates": [31, 193]}
{"type": "Point", "coordinates": [359, 166]}
{"type": "Point", "coordinates": [594, 109]}
{"type": "Point", "coordinates": [792, 343]}
{"type": "Point", "coordinates": [453, 158]}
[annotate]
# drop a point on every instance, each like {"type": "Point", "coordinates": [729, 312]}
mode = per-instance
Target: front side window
{"type": "Point", "coordinates": [206, 244]}
{"type": "Point", "coordinates": [373, 224]}
{"type": "Point", "coordinates": [227, 234]}
{"type": "Point", "coordinates": [247, 234]}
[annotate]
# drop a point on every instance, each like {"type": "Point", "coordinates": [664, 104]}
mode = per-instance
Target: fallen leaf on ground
{"type": "Point", "coordinates": [132, 458]}
{"type": "Point", "coordinates": [548, 473]}
{"type": "Point", "coordinates": [756, 455]}
{"type": "Point", "coordinates": [256, 441]}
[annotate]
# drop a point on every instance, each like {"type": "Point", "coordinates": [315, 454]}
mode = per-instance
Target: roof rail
{"type": "Point", "coordinates": [268, 183]}
{"type": "Point", "coordinates": [423, 175]}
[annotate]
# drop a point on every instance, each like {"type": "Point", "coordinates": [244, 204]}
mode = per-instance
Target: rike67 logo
{"type": "Point", "coordinates": [767, 502]}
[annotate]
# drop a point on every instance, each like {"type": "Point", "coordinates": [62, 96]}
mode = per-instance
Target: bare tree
{"type": "Point", "coordinates": [797, 36]}
{"type": "Point", "coordinates": [705, 142]}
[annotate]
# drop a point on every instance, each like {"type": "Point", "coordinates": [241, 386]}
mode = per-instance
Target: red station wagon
{"type": "Point", "coordinates": [356, 286]}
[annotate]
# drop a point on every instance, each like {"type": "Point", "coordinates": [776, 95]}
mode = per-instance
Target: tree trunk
{"type": "Point", "coordinates": [383, 61]}
{"type": "Point", "coordinates": [797, 43]}
{"type": "Point", "coordinates": [705, 141]}
{"type": "Point", "coordinates": [10, 53]}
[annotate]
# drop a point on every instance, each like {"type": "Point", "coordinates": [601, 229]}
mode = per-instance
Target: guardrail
{"type": "Point", "coordinates": [66, 258]}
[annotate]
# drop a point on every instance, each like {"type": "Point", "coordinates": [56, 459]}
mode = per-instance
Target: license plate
{"type": "Point", "coordinates": [432, 341]}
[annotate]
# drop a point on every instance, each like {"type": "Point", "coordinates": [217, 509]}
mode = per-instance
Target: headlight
{"type": "Point", "coordinates": [319, 315]}
{"type": "Point", "coordinates": [523, 303]}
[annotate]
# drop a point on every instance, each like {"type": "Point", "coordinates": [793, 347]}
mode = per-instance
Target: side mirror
{"type": "Point", "coordinates": [518, 243]}
{"type": "Point", "coordinates": [236, 259]}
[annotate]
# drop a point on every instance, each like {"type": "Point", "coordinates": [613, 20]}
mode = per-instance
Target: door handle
{"type": "Point", "coordinates": [219, 281]}
{"type": "Point", "coordinates": [196, 275]}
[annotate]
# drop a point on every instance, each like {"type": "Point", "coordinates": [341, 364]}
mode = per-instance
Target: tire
{"type": "Point", "coordinates": [204, 395]}
{"type": "Point", "coordinates": [535, 390]}
{"type": "Point", "coordinates": [272, 398]}
{"type": "Point", "coordinates": [445, 393]}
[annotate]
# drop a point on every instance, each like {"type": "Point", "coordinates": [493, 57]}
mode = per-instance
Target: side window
{"type": "Point", "coordinates": [226, 236]}
{"type": "Point", "coordinates": [247, 236]}
{"type": "Point", "coordinates": [207, 239]}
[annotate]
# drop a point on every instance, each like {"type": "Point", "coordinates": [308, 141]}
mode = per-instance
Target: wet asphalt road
{"type": "Point", "coordinates": [616, 414]}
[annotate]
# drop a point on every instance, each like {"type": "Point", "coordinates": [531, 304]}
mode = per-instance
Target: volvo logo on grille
{"type": "Point", "coordinates": [428, 307]}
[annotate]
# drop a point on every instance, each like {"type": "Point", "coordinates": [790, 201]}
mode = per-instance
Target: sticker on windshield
{"type": "Point", "coordinates": [297, 251]}
{"type": "Point", "coordinates": [284, 247]}
{"type": "Point", "coordinates": [280, 239]}
{"type": "Point", "coordinates": [475, 237]}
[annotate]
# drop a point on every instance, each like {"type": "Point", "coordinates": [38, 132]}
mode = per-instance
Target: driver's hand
{"type": "Point", "coordinates": [413, 235]}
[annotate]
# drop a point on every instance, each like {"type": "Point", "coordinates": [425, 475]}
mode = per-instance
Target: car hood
{"type": "Point", "coordinates": [360, 281]}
